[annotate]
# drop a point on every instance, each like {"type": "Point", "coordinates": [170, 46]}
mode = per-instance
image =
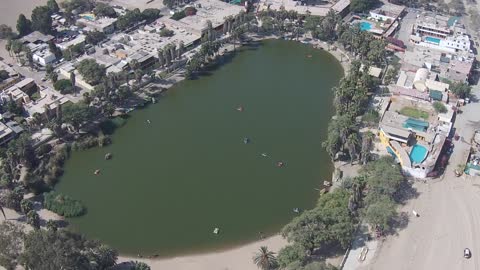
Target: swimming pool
{"type": "Point", "coordinates": [433, 40]}
{"type": "Point", "coordinates": [365, 26]}
{"type": "Point", "coordinates": [418, 153]}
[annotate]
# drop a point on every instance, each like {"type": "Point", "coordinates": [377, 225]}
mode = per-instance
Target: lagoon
{"type": "Point", "coordinates": [171, 182]}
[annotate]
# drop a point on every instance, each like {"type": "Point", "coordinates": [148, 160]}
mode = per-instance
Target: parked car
{"type": "Point", "coordinates": [467, 253]}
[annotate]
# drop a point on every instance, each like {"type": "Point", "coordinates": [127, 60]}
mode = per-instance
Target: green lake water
{"type": "Point", "coordinates": [171, 182]}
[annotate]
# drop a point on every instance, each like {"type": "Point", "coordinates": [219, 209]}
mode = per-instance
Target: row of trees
{"type": "Point", "coordinates": [51, 249]}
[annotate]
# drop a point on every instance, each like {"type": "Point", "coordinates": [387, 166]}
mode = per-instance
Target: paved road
{"type": "Point", "coordinates": [449, 219]}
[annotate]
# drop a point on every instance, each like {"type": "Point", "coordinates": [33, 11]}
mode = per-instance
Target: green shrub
{"type": "Point", "coordinates": [178, 15]}
{"type": "Point", "coordinates": [64, 86]}
{"type": "Point", "coordinates": [166, 32]}
{"type": "Point", "coordinates": [439, 107]}
{"type": "Point", "coordinates": [63, 204]}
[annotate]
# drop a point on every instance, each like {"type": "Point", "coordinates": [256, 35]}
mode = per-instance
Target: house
{"type": "Point", "coordinates": [6, 134]}
{"type": "Point", "coordinates": [415, 142]}
{"type": "Point", "coordinates": [43, 56]}
{"type": "Point", "coordinates": [103, 24]}
{"type": "Point", "coordinates": [78, 40]}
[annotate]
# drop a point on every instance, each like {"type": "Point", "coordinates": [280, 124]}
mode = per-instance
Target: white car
{"type": "Point", "coordinates": [467, 253]}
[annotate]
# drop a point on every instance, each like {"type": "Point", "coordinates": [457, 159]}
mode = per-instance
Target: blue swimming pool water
{"type": "Point", "coordinates": [365, 26]}
{"type": "Point", "coordinates": [418, 153]}
{"type": "Point", "coordinates": [433, 40]}
{"type": "Point", "coordinates": [88, 17]}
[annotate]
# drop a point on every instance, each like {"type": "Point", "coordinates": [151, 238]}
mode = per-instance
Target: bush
{"type": "Point", "coordinates": [439, 107]}
{"type": "Point", "coordinates": [178, 15]}
{"type": "Point", "coordinates": [166, 32]}
{"type": "Point", "coordinates": [64, 86]}
{"type": "Point", "coordinates": [63, 204]}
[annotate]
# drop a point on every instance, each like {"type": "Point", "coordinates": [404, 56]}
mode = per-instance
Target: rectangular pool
{"type": "Point", "coordinates": [433, 40]}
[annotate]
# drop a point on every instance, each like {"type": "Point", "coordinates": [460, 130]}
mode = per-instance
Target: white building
{"type": "Point", "coordinates": [80, 39]}
{"type": "Point", "coordinates": [43, 56]}
{"type": "Point", "coordinates": [460, 42]}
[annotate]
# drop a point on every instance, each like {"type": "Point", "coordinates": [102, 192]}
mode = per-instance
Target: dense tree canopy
{"type": "Point", "coordinates": [94, 37]}
{"type": "Point", "coordinates": [41, 20]}
{"type": "Point", "coordinates": [53, 6]}
{"type": "Point", "coordinates": [24, 25]}
{"type": "Point", "coordinates": [460, 89]}
{"type": "Point", "coordinates": [329, 223]}
{"type": "Point", "coordinates": [362, 6]}
{"type": "Point", "coordinates": [11, 237]}
{"type": "Point", "coordinates": [91, 71]}
{"type": "Point", "coordinates": [76, 114]}
{"type": "Point", "coordinates": [61, 249]}
{"type": "Point", "coordinates": [104, 10]}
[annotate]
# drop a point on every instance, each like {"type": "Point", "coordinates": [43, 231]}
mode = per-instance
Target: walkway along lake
{"type": "Point", "coordinates": [175, 179]}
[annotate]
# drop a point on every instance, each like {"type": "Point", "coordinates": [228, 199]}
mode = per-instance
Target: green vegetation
{"type": "Point", "coordinates": [64, 86]}
{"type": "Point", "coordinates": [52, 249]}
{"type": "Point", "coordinates": [362, 6]}
{"type": "Point", "coordinates": [460, 89]}
{"type": "Point", "coordinates": [41, 20]}
{"type": "Point", "coordinates": [94, 37]}
{"type": "Point", "coordinates": [383, 179]}
{"type": "Point", "coordinates": [439, 107]}
{"type": "Point", "coordinates": [24, 25]}
{"type": "Point", "coordinates": [104, 10]}
{"type": "Point", "coordinates": [91, 71]}
{"type": "Point", "coordinates": [178, 15]}
{"type": "Point", "coordinates": [3, 75]}
{"type": "Point", "coordinates": [138, 266]}
{"type": "Point", "coordinates": [63, 205]}
{"type": "Point", "coordinates": [53, 6]}
{"type": "Point", "coordinates": [265, 259]}
{"type": "Point", "coordinates": [77, 114]}
{"type": "Point", "coordinates": [165, 32]}
{"type": "Point", "coordinates": [133, 17]}
{"type": "Point", "coordinates": [413, 112]}
{"type": "Point", "coordinates": [6, 32]}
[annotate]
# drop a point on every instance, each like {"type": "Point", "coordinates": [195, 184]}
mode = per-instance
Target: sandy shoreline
{"type": "Point", "coordinates": [239, 258]}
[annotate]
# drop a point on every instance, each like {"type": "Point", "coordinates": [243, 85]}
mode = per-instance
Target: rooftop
{"type": "Point", "coordinates": [389, 10]}
{"type": "Point", "coordinates": [212, 10]}
{"type": "Point", "coordinates": [36, 37]}
{"type": "Point", "coordinates": [4, 130]}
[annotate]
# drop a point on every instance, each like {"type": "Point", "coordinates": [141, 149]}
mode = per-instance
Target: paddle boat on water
{"type": "Point", "coordinates": [216, 231]}
{"type": "Point", "coordinates": [96, 172]}
{"type": "Point", "coordinates": [280, 164]}
{"type": "Point", "coordinates": [240, 108]}
{"type": "Point", "coordinates": [246, 140]}
{"type": "Point", "coordinates": [264, 155]}
{"type": "Point", "coordinates": [296, 210]}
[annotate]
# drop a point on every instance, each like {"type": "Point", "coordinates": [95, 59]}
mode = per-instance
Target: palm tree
{"type": "Point", "coordinates": [180, 50]}
{"type": "Point", "coordinates": [3, 212]}
{"type": "Point", "coordinates": [161, 59]}
{"type": "Point", "coordinates": [352, 143]}
{"type": "Point", "coordinates": [265, 259]}
{"type": "Point", "coordinates": [367, 140]}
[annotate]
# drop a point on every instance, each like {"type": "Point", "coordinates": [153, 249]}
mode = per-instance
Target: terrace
{"type": "Point", "coordinates": [411, 131]}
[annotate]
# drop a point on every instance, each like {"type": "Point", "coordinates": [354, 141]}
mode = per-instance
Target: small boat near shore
{"type": "Point", "coordinates": [108, 156]}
